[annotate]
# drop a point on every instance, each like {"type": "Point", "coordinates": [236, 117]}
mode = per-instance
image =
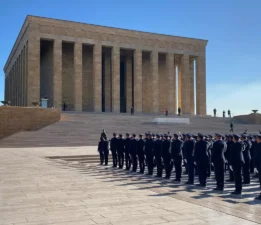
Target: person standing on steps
{"type": "Point", "coordinates": [106, 150]}
{"type": "Point", "coordinates": [113, 147]}
{"type": "Point", "coordinates": [237, 161]}
{"type": "Point", "coordinates": [215, 112]}
{"type": "Point", "coordinates": [231, 127]}
{"type": "Point", "coordinates": [101, 150]}
{"type": "Point", "coordinates": [179, 111]}
{"type": "Point", "coordinates": [229, 113]}
{"type": "Point", "coordinates": [224, 114]}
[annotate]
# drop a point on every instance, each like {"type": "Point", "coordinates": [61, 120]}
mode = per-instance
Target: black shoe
{"type": "Point", "coordinates": [218, 189]}
{"type": "Point", "coordinates": [189, 182]}
{"type": "Point", "coordinates": [246, 182]}
{"type": "Point", "coordinates": [167, 178]}
{"type": "Point", "coordinates": [159, 176]}
{"type": "Point", "coordinates": [258, 197]}
{"type": "Point", "coordinates": [229, 180]}
{"type": "Point", "coordinates": [201, 185]}
{"type": "Point", "coordinates": [177, 180]}
{"type": "Point", "coordinates": [149, 174]}
{"type": "Point", "coordinates": [235, 193]}
{"type": "Point", "coordinates": [141, 172]}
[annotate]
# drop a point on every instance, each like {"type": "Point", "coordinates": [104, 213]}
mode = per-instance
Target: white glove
{"type": "Point", "coordinates": [255, 170]}
{"type": "Point", "coordinates": [231, 168]}
{"type": "Point", "coordinates": [185, 160]}
{"type": "Point", "coordinates": [212, 164]}
{"type": "Point", "coordinates": [195, 163]}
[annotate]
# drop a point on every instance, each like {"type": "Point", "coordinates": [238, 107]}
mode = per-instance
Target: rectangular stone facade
{"type": "Point", "coordinates": [94, 68]}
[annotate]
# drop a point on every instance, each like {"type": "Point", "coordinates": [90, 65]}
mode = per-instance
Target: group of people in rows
{"type": "Point", "coordinates": [200, 154]}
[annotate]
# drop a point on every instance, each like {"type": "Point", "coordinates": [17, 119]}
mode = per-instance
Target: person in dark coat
{"type": "Point", "coordinates": [101, 150]}
{"type": "Point", "coordinates": [179, 111]}
{"type": "Point", "coordinates": [106, 150]}
{"type": "Point", "coordinates": [227, 156]}
{"type": "Point", "coordinates": [183, 138]}
{"type": "Point", "coordinates": [120, 151]}
{"type": "Point", "coordinates": [252, 153]}
{"type": "Point", "coordinates": [133, 152]}
{"type": "Point", "coordinates": [158, 154]}
{"type": "Point", "coordinates": [140, 153]}
{"type": "Point", "coordinates": [127, 144]}
{"type": "Point", "coordinates": [247, 158]}
{"type": "Point", "coordinates": [237, 161]}
{"type": "Point", "coordinates": [113, 147]}
{"type": "Point", "coordinates": [189, 148]}
{"type": "Point", "coordinates": [176, 155]}
{"type": "Point", "coordinates": [148, 148]}
{"type": "Point", "coordinates": [166, 156]}
{"type": "Point", "coordinates": [258, 160]}
{"type": "Point", "coordinates": [210, 144]}
{"type": "Point", "coordinates": [218, 160]}
{"type": "Point", "coordinates": [202, 159]}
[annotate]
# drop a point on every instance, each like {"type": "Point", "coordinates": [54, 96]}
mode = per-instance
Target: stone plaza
{"type": "Point", "coordinates": [102, 69]}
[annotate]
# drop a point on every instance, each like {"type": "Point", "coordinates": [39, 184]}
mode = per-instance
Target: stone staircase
{"type": "Point", "coordinates": [83, 129]}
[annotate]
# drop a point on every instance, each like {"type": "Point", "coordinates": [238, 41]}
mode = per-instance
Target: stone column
{"type": "Point", "coordinates": [78, 76]}
{"type": "Point", "coordinates": [97, 73]}
{"type": "Point", "coordinates": [107, 81]}
{"type": "Point", "coordinates": [20, 80]}
{"type": "Point", "coordinates": [172, 83]}
{"type": "Point", "coordinates": [137, 81]}
{"type": "Point", "coordinates": [57, 74]}
{"type": "Point", "coordinates": [116, 79]}
{"type": "Point", "coordinates": [33, 75]}
{"type": "Point", "coordinates": [128, 82]}
{"type": "Point", "coordinates": [191, 85]}
{"type": "Point", "coordinates": [155, 81]}
{"type": "Point", "coordinates": [201, 85]}
{"type": "Point", "coordinates": [183, 86]}
{"type": "Point", "coordinates": [26, 74]}
{"type": "Point", "coordinates": [15, 83]}
{"type": "Point", "coordinates": [22, 77]}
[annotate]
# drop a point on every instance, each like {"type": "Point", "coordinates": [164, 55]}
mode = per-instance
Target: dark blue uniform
{"type": "Point", "coordinates": [113, 146]}
{"type": "Point", "coordinates": [133, 153]}
{"type": "Point", "coordinates": [127, 145]}
{"type": "Point", "coordinates": [149, 155]}
{"type": "Point", "coordinates": [189, 148]}
{"type": "Point", "coordinates": [237, 161]}
{"type": "Point", "coordinates": [158, 154]}
{"type": "Point", "coordinates": [247, 158]}
{"type": "Point", "coordinates": [202, 160]}
{"type": "Point", "coordinates": [166, 156]}
{"type": "Point", "coordinates": [218, 159]}
{"type": "Point", "coordinates": [140, 153]}
{"type": "Point", "coordinates": [120, 152]}
{"type": "Point", "coordinates": [176, 155]}
{"type": "Point", "coordinates": [227, 155]}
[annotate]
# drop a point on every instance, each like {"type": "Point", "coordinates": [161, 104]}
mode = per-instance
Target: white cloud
{"type": "Point", "coordinates": [239, 98]}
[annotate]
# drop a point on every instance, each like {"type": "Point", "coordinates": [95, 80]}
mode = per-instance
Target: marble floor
{"type": "Point", "coordinates": [36, 190]}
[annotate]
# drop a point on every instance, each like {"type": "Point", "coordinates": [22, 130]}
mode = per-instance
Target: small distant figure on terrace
{"type": "Point", "coordinates": [166, 113]}
{"type": "Point", "coordinates": [103, 134]}
{"type": "Point", "coordinates": [64, 106]}
{"type": "Point", "coordinates": [229, 113]}
{"type": "Point", "coordinates": [224, 114]}
{"type": "Point", "coordinates": [215, 112]}
{"type": "Point", "coordinates": [179, 110]}
{"type": "Point", "coordinates": [245, 132]}
{"type": "Point", "coordinates": [231, 127]}
{"type": "Point", "coordinates": [132, 110]}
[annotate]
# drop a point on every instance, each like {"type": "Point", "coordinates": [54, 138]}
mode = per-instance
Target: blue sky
{"type": "Point", "coordinates": [231, 26]}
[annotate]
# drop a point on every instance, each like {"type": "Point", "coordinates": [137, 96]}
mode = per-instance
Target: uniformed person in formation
{"type": "Point", "coordinates": [227, 156]}
{"type": "Point", "coordinates": [258, 160]}
{"type": "Point", "coordinates": [101, 150]}
{"type": "Point", "coordinates": [166, 156]}
{"type": "Point", "coordinates": [113, 147]}
{"type": "Point", "coordinates": [127, 145]}
{"type": "Point", "coordinates": [149, 154]}
{"type": "Point", "coordinates": [189, 148]}
{"type": "Point", "coordinates": [218, 160]}
{"type": "Point", "coordinates": [158, 155]}
{"type": "Point", "coordinates": [133, 152]}
{"type": "Point", "coordinates": [176, 155]}
{"type": "Point", "coordinates": [202, 159]}
{"type": "Point", "coordinates": [237, 161]}
{"type": "Point", "coordinates": [247, 158]}
{"type": "Point", "coordinates": [140, 153]}
{"type": "Point", "coordinates": [120, 151]}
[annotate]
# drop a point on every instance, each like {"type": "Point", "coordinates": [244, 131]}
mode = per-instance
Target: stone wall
{"type": "Point", "coordinates": [16, 119]}
{"type": "Point", "coordinates": [248, 119]}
